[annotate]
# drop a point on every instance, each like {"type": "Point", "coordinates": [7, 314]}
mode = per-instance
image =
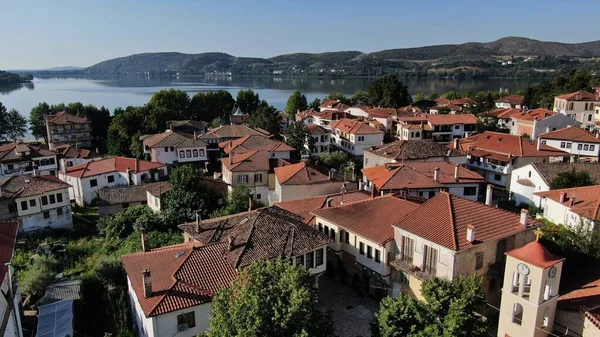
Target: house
{"type": "Point", "coordinates": [578, 105]}
{"type": "Point", "coordinates": [116, 198]}
{"type": "Point", "coordinates": [504, 116]}
{"type": "Point", "coordinates": [510, 101]}
{"type": "Point", "coordinates": [448, 236]}
{"type": "Point", "coordinates": [495, 155]}
{"type": "Point", "coordinates": [578, 308]}
{"type": "Point", "coordinates": [333, 105]}
{"type": "Point", "coordinates": [325, 118]}
{"type": "Point", "coordinates": [538, 177]}
{"type": "Point", "coordinates": [88, 178]}
{"type": "Point", "coordinates": [526, 123]}
{"type": "Point", "coordinates": [322, 140]}
{"type": "Point", "coordinates": [171, 288]}
{"type": "Point", "coordinates": [305, 207]}
{"type": "Point", "coordinates": [188, 126]}
{"type": "Point", "coordinates": [303, 180]}
{"type": "Point", "coordinates": [572, 206]}
{"type": "Point", "coordinates": [238, 117]}
{"type": "Point", "coordinates": [453, 106]}
{"type": "Point", "coordinates": [362, 238]}
{"type": "Point", "coordinates": [276, 149]}
{"type": "Point", "coordinates": [22, 158]}
{"type": "Point", "coordinates": [576, 141]}
{"type": "Point", "coordinates": [423, 179]}
{"type": "Point", "coordinates": [39, 202]}
{"type": "Point", "coordinates": [439, 128]}
{"type": "Point", "coordinates": [63, 128]}
{"type": "Point", "coordinates": [71, 155]}
{"type": "Point", "coordinates": [354, 136]}
{"type": "Point", "coordinates": [174, 148]}
{"type": "Point", "coordinates": [225, 133]}
{"type": "Point", "coordinates": [306, 116]}
{"type": "Point", "coordinates": [411, 150]}
{"type": "Point", "coordinates": [11, 309]}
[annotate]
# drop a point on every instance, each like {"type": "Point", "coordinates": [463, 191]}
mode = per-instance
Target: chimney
{"type": "Point", "coordinates": [230, 242]}
{"type": "Point", "coordinates": [539, 144]}
{"type": "Point", "coordinates": [524, 214]}
{"type": "Point", "coordinates": [488, 194]}
{"type": "Point", "coordinates": [195, 135]}
{"type": "Point", "coordinates": [230, 158]}
{"type": "Point", "coordinates": [456, 169]}
{"type": "Point", "coordinates": [170, 126]}
{"type": "Point", "coordinates": [562, 197]}
{"type": "Point", "coordinates": [373, 191]}
{"type": "Point", "coordinates": [127, 171]}
{"type": "Point", "coordinates": [598, 135]}
{"type": "Point", "coordinates": [572, 201]}
{"type": "Point", "coordinates": [471, 233]}
{"type": "Point", "coordinates": [198, 221]}
{"type": "Point", "coordinates": [145, 240]}
{"type": "Point", "coordinates": [230, 143]}
{"type": "Point", "coordinates": [547, 129]}
{"type": "Point", "coordinates": [361, 184]}
{"type": "Point", "coordinates": [147, 282]}
{"type": "Point", "coordinates": [343, 193]}
{"type": "Point", "coordinates": [329, 202]}
{"type": "Point", "coordinates": [436, 174]}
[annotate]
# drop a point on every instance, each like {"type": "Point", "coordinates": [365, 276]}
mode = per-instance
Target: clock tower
{"type": "Point", "coordinates": [530, 291]}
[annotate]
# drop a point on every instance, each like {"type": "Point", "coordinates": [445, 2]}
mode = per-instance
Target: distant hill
{"type": "Point", "coordinates": [509, 56]}
{"type": "Point", "coordinates": [7, 78]}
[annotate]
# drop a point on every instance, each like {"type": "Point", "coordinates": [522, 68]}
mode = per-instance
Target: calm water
{"type": "Point", "coordinates": [114, 92]}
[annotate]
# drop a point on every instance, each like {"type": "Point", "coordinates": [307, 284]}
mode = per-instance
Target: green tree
{"type": "Point", "coordinates": [265, 117]}
{"type": "Point", "coordinates": [398, 317]}
{"type": "Point", "coordinates": [334, 159]}
{"type": "Point", "coordinates": [315, 104]}
{"type": "Point", "coordinates": [452, 95]}
{"type": "Point", "coordinates": [489, 122]}
{"type": "Point", "coordinates": [172, 100]}
{"type": "Point", "coordinates": [248, 101]}
{"type": "Point", "coordinates": [296, 102]}
{"type": "Point", "coordinates": [337, 96]}
{"type": "Point", "coordinates": [360, 97]}
{"type": "Point", "coordinates": [270, 298]}
{"type": "Point", "coordinates": [237, 201]}
{"type": "Point", "coordinates": [209, 105]}
{"type": "Point", "coordinates": [122, 224]}
{"type": "Point", "coordinates": [419, 97]}
{"type": "Point", "coordinates": [298, 137]}
{"type": "Point", "coordinates": [389, 92]}
{"type": "Point", "coordinates": [469, 94]}
{"type": "Point", "coordinates": [433, 96]}
{"type": "Point", "coordinates": [12, 124]}
{"type": "Point", "coordinates": [37, 120]}
{"type": "Point", "coordinates": [572, 178]}
{"type": "Point", "coordinates": [38, 275]}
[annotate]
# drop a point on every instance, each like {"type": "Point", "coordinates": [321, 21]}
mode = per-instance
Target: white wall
{"type": "Point", "coordinates": [293, 192]}
{"type": "Point", "coordinates": [33, 217]}
{"type": "Point", "coordinates": [357, 147]}
{"type": "Point", "coordinates": [563, 145]}
{"type": "Point", "coordinates": [153, 202]}
{"type": "Point", "coordinates": [561, 214]}
{"type": "Point", "coordinates": [445, 262]}
{"type": "Point", "coordinates": [523, 193]}
{"type": "Point", "coordinates": [166, 325]}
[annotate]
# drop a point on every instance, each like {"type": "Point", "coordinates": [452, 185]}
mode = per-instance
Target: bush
{"type": "Point", "coordinates": [38, 276]}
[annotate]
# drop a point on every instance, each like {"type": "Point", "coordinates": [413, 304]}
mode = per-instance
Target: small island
{"type": "Point", "coordinates": [10, 78]}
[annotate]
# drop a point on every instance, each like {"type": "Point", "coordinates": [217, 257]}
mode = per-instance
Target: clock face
{"type": "Point", "coordinates": [523, 269]}
{"type": "Point", "coordinates": [552, 272]}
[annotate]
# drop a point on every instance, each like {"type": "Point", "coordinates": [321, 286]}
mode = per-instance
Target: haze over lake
{"type": "Point", "coordinates": [115, 91]}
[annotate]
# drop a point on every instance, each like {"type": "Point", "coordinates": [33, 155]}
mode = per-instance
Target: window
{"type": "Point", "coordinates": [369, 252]}
{"type": "Point", "coordinates": [166, 149]}
{"type": "Point", "coordinates": [59, 211]}
{"type": "Point", "coordinates": [562, 145]}
{"type": "Point", "coordinates": [32, 203]}
{"type": "Point", "coordinates": [361, 138]}
{"type": "Point", "coordinates": [320, 227]}
{"type": "Point", "coordinates": [258, 178]}
{"type": "Point", "coordinates": [93, 183]}
{"type": "Point", "coordinates": [430, 260]}
{"type": "Point", "coordinates": [326, 230]}
{"type": "Point", "coordinates": [586, 147]}
{"type": "Point", "coordinates": [111, 178]}
{"type": "Point", "coordinates": [243, 178]}
{"type": "Point", "coordinates": [51, 161]}
{"type": "Point", "coordinates": [589, 118]}
{"type": "Point", "coordinates": [258, 196]}
{"type": "Point", "coordinates": [497, 177]}
{"type": "Point", "coordinates": [172, 149]}
{"type": "Point", "coordinates": [456, 127]}
{"type": "Point", "coordinates": [377, 256]}
{"type": "Point", "coordinates": [23, 205]}
{"type": "Point", "coordinates": [46, 215]}
{"type": "Point", "coordinates": [44, 200]}
{"type": "Point", "coordinates": [201, 153]}
{"type": "Point", "coordinates": [579, 146]}
{"type": "Point", "coordinates": [592, 147]}
{"type": "Point", "coordinates": [300, 260]}
{"type": "Point", "coordinates": [361, 249]}
{"type": "Point", "coordinates": [568, 145]}
{"type": "Point", "coordinates": [309, 260]}
{"type": "Point", "coordinates": [407, 249]}
{"type": "Point", "coordinates": [470, 191]}
{"type": "Point", "coordinates": [517, 313]}
{"type": "Point", "coordinates": [187, 319]}
{"type": "Point", "coordinates": [52, 199]}
{"type": "Point", "coordinates": [59, 197]}
{"type": "Point", "coordinates": [188, 153]}
{"type": "Point", "coordinates": [181, 154]}
{"type": "Point", "coordinates": [318, 257]}
{"type": "Point", "coordinates": [478, 260]}
{"type": "Point", "coordinates": [347, 237]}
{"type": "Point", "coordinates": [195, 153]}
{"type": "Point", "coordinates": [332, 234]}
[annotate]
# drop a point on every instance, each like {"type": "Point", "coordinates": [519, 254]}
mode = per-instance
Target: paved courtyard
{"type": "Point", "coordinates": [351, 312]}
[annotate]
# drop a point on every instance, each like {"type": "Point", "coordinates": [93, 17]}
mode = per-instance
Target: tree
{"type": "Point", "coordinates": [121, 224]}
{"type": "Point", "coordinates": [248, 101]}
{"type": "Point", "coordinates": [360, 97]}
{"type": "Point", "coordinates": [298, 137]}
{"type": "Point", "coordinates": [449, 310]}
{"type": "Point", "coordinates": [572, 178]}
{"type": "Point", "coordinates": [315, 104]}
{"type": "Point", "coordinates": [489, 122]}
{"type": "Point", "coordinates": [334, 159]}
{"type": "Point", "coordinates": [37, 120]}
{"type": "Point", "coordinates": [451, 95]}
{"type": "Point", "coordinates": [38, 275]}
{"type": "Point", "coordinates": [296, 102]}
{"type": "Point", "coordinates": [174, 101]}
{"type": "Point", "coordinates": [270, 298]}
{"type": "Point", "coordinates": [389, 92]}
{"type": "Point", "coordinates": [237, 201]}
{"type": "Point", "coordinates": [209, 105]}
{"type": "Point", "coordinates": [12, 124]}
{"type": "Point", "coordinates": [469, 94]}
{"type": "Point", "coordinates": [337, 96]}
{"type": "Point", "coordinates": [419, 96]}
{"type": "Point", "coordinates": [433, 96]}
{"type": "Point", "coordinates": [265, 117]}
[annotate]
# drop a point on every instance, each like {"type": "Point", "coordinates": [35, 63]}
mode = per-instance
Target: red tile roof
{"type": "Point", "coordinates": [8, 237]}
{"type": "Point", "coordinates": [232, 131]}
{"type": "Point", "coordinates": [333, 104]}
{"type": "Point", "coordinates": [305, 207]}
{"type": "Point", "coordinates": [316, 129]}
{"type": "Point", "coordinates": [250, 161]}
{"type": "Point", "coordinates": [300, 174]}
{"type": "Point", "coordinates": [254, 143]}
{"type": "Point", "coordinates": [505, 113]}
{"type": "Point", "coordinates": [381, 112]}
{"type": "Point", "coordinates": [397, 177]}
{"type": "Point", "coordinates": [536, 254]}
{"type": "Point", "coordinates": [451, 119]}
{"type": "Point", "coordinates": [571, 133]}
{"type": "Point", "coordinates": [583, 298]}
{"type": "Point", "coordinates": [463, 101]}
{"type": "Point", "coordinates": [505, 146]}
{"type": "Point", "coordinates": [579, 96]}
{"type": "Point", "coordinates": [512, 99]}
{"type": "Point", "coordinates": [586, 203]}
{"type": "Point", "coordinates": [444, 218]}
{"type": "Point", "coordinates": [25, 186]}
{"type": "Point", "coordinates": [183, 276]}
{"type": "Point", "coordinates": [16, 152]}
{"type": "Point", "coordinates": [113, 164]}
{"type": "Point", "coordinates": [355, 127]}
{"type": "Point", "coordinates": [70, 151]}
{"type": "Point", "coordinates": [370, 218]}
{"type": "Point", "coordinates": [535, 114]}
{"type": "Point", "coordinates": [63, 118]}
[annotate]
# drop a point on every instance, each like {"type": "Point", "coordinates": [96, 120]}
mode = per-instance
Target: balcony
{"type": "Point", "coordinates": [488, 166]}
{"type": "Point", "coordinates": [403, 264]}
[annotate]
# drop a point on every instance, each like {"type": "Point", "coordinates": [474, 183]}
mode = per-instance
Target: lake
{"type": "Point", "coordinates": [122, 91]}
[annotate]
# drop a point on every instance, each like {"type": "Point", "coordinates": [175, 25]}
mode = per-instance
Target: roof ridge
{"type": "Point", "coordinates": [452, 221]}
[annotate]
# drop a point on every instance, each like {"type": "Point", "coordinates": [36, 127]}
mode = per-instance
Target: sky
{"type": "Point", "coordinates": [42, 34]}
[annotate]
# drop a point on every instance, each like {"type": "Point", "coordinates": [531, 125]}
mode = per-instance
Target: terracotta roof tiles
{"type": "Point", "coordinates": [571, 133]}
{"type": "Point", "coordinates": [63, 118]}
{"type": "Point", "coordinates": [305, 207]}
{"type": "Point", "coordinates": [354, 127]}
{"type": "Point", "coordinates": [586, 200]}
{"type": "Point", "coordinates": [413, 150]}
{"type": "Point", "coordinates": [254, 143]}
{"type": "Point", "coordinates": [535, 254]}
{"type": "Point", "coordinates": [579, 96]}
{"type": "Point", "coordinates": [113, 164]}
{"type": "Point", "coordinates": [22, 186]}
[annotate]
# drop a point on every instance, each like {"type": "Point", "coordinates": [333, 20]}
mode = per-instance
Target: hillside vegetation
{"type": "Point", "coordinates": [509, 56]}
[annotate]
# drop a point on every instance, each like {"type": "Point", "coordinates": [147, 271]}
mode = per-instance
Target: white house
{"type": "Point", "coordinates": [412, 150]}
{"type": "Point", "coordinates": [354, 136]}
{"type": "Point", "coordinates": [22, 158]}
{"type": "Point", "coordinates": [510, 101]}
{"type": "Point", "coordinates": [88, 178]}
{"type": "Point", "coordinates": [11, 309]}
{"type": "Point", "coordinates": [439, 128]}
{"type": "Point", "coordinates": [573, 140]}
{"type": "Point", "coordinates": [362, 238]}
{"type": "Point", "coordinates": [578, 105]}
{"type": "Point", "coordinates": [572, 206]}
{"type": "Point", "coordinates": [322, 140]}
{"type": "Point", "coordinates": [41, 202]}
{"type": "Point", "coordinates": [71, 155]}
{"type": "Point", "coordinates": [174, 148]}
